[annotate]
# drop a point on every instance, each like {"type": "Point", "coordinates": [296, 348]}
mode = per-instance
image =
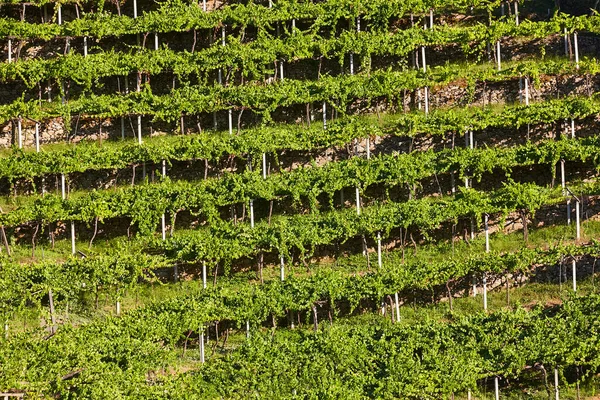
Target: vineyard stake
{"type": "Point", "coordinates": [282, 271]}
{"type": "Point", "coordinates": [252, 213]}
{"type": "Point", "coordinates": [397, 304]}
{"type": "Point", "coordinates": [572, 128]}
{"type": "Point", "coordinates": [498, 55]}
{"type": "Point", "coordinates": [577, 226]}
{"type": "Point", "coordinates": [201, 343]}
{"type": "Point", "coordinates": [204, 274]}
{"type": "Point", "coordinates": [574, 270]}
{"type": "Point", "coordinates": [247, 329]}
{"type": "Point", "coordinates": [496, 389]}
{"type": "Point", "coordinates": [379, 249]}
{"type": "Point", "coordinates": [19, 133]}
{"type": "Point", "coordinates": [162, 218]}
{"type": "Point", "coordinates": [264, 165]}
{"type": "Point", "coordinates": [60, 14]}
{"type": "Point", "coordinates": [576, 50]}
{"type": "Point", "coordinates": [516, 13]}
{"type": "Point", "coordinates": [357, 201]}
{"type": "Point", "coordinates": [9, 50]}
{"type": "Point", "coordinates": [324, 115]}
{"type": "Point", "coordinates": [37, 137]}
{"type": "Point", "coordinates": [566, 43]}
{"type": "Point", "coordinates": [73, 237]}
{"type": "Point", "coordinates": [118, 307]}
{"type": "Point", "coordinates": [556, 393]}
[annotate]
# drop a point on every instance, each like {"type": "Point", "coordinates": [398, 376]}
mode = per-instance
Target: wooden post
{"type": "Point", "coordinates": [379, 249]}
{"type": "Point", "coordinates": [37, 137]}
{"type": "Point", "coordinates": [576, 50]}
{"type": "Point", "coordinates": [118, 307]}
{"type": "Point", "coordinates": [282, 271]}
{"type": "Point", "coordinates": [204, 274]}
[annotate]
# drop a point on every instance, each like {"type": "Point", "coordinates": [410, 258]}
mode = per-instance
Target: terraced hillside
{"type": "Point", "coordinates": [299, 199]}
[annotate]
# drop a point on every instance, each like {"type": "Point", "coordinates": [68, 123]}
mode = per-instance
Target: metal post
{"type": "Point", "coordinates": [72, 237]}
{"type": "Point", "coordinates": [556, 393]}
{"type": "Point", "coordinates": [282, 271]}
{"type": "Point", "coordinates": [526, 91]}
{"type": "Point", "coordinates": [135, 9]}
{"type": "Point", "coordinates": [201, 344]}
{"type": "Point", "coordinates": [264, 165]}
{"type": "Point", "coordinates": [60, 14]}
{"type": "Point", "coordinates": [572, 128]}
{"type": "Point", "coordinates": [139, 129]}
{"type": "Point", "coordinates": [85, 46]}
{"type": "Point", "coordinates": [379, 249]}
{"type": "Point", "coordinates": [576, 50]}
{"type": "Point", "coordinates": [62, 186]}
{"type": "Point", "coordinates": [204, 274]}
{"type": "Point", "coordinates": [487, 233]}
{"type": "Point", "coordinates": [252, 213]}
{"type": "Point", "coordinates": [516, 14]}
{"type": "Point", "coordinates": [357, 201]}
{"type": "Point", "coordinates": [397, 304]}
{"type": "Point", "coordinates": [230, 117]}
{"type": "Point", "coordinates": [19, 133]}
{"type": "Point", "coordinates": [574, 268]}
{"type": "Point", "coordinates": [324, 115]}
{"type": "Point", "coordinates": [498, 55]}
{"type": "Point", "coordinates": [578, 228]}
{"type": "Point", "coordinates": [496, 389]}
{"type": "Point", "coordinates": [37, 137]}
{"type": "Point", "coordinates": [562, 176]}
{"type": "Point", "coordinates": [9, 50]}
{"type": "Point", "coordinates": [247, 329]}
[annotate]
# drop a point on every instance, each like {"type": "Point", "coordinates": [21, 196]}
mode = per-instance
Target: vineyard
{"type": "Point", "coordinates": [292, 199]}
